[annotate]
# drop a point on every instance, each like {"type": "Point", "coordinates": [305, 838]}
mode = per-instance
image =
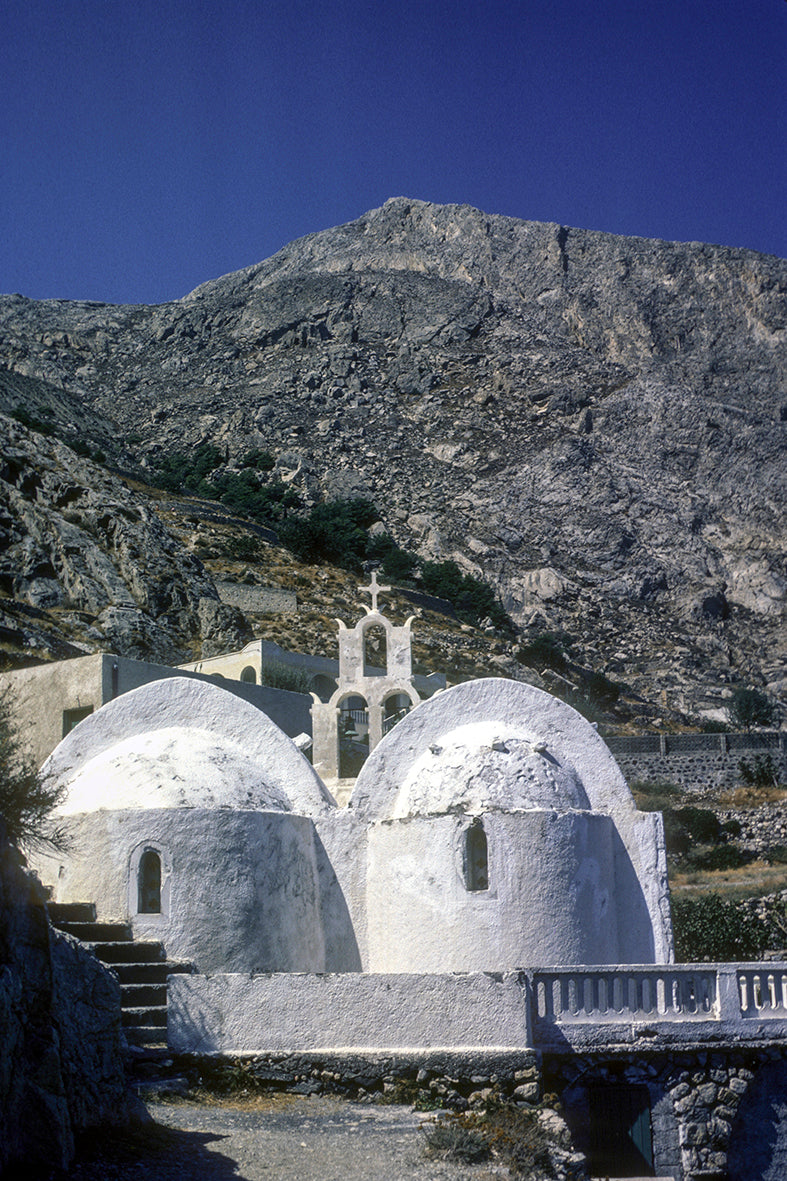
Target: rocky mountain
{"type": "Point", "coordinates": [86, 564]}
{"type": "Point", "coordinates": [594, 424]}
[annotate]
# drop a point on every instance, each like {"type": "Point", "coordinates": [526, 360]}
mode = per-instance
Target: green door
{"type": "Point", "coordinates": [621, 1143]}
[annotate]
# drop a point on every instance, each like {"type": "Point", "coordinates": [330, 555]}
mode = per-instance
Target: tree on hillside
{"type": "Point", "coordinates": [26, 797]}
{"type": "Point", "coordinates": [752, 707]}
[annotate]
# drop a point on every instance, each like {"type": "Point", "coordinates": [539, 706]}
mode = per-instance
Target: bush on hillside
{"type": "Point", "coordinates": [334, 531]}
{"type": "Point", "coordinates": [752, 707]}
{"type": "Point", "coordinates": [763, 772]}
{"type": "Point", "coordinates": [473, 599]}
{"type": "Point", "coordinates": [543, 651]}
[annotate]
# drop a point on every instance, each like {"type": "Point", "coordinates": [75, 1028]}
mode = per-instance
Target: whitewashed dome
{"type": "Point", "coordinates": [177, 767]}
{"type": "Point", "coordinates": [487, 767]}
{"type": "Point", "coordinates": [183, 743]}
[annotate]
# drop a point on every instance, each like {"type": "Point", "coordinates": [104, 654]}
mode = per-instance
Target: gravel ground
{"type": "Point", "coordinates": [287, 1137]}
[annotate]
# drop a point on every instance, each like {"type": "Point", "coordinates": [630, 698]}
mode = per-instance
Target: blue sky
{"type": "Point", "coordinates": [150, 146]}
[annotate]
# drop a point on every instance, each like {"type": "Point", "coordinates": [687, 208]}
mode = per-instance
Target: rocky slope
{"type": "Point", "coordinates": [595, 424]}
{"type": "Point", "coordinates": [86, 564]}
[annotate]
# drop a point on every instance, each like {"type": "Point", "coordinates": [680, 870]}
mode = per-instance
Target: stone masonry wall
{"type": "Point", "coordinates": [698, 762]}
{"type": "Point", "coordinates": [704, 1121]}
{"type": "Point", "coordinates": [262, 600]}
{"type": "Point", "coordinates": [61, 1046]}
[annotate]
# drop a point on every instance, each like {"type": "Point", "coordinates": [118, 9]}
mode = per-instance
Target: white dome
{"type": "Point", "coordinates": [183, 743]}
{"type": "Point", "coordinates": [487, 767]}
{"type": "Point", "coordinates": [175, 767]}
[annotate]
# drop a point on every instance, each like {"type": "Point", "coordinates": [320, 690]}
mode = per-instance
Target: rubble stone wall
{"type": "Point", "coordinates": [61, 1046]}
{"type": "Point", "coordinates": [698, 762]}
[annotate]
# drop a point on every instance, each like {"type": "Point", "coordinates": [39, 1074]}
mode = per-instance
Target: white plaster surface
{"type": "Point", "coordinates": [533, 715]}
{"type": "Point", "coordinates": [172, 768]}
{"type": "Point", "coordinates": [184, 743]}
{"type": "Point", "coordinates": [247, 891]}
{"type": "Point", "coordinates": [551, 895]}
{"type": "Point", "coordinates": [486, 766]}
{"type": "Point", "coordinates": [281, 1014]}
{"type": "Point", "coordinates": [558, 734]}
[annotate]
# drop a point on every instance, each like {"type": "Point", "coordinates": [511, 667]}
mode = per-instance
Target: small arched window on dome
{"type": "Point", "coordinates": [149, 883]}
{"type": "Point", "coordinates": [476, 858]}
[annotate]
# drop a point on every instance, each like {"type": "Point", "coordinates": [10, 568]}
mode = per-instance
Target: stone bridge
{"type": "Point", "coordinates": [675, 1071]}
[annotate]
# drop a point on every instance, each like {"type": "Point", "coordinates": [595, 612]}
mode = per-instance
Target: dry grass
{"type": "Point", "coordinates": [747, 881]}
{"type": "Point", "coordinates": [747, 797]}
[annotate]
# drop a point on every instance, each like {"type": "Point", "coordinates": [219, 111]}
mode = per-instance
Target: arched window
{"type": "Point", "coordinates": [249, 675]}
{"type": "Point", "coordinates": [476, 858]}
{"type": "Point", "coordinates": [149, 883]}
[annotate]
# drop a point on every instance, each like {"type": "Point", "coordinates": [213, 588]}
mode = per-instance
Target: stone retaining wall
{"type": "Point", "coordinates": [709, 1116]}
{"type": "Point", "coordinates": [698, 762]}
{"type": "Point", "coordinates": [260, 600]}
{"type": "Point", "coordinates": [714, 1112]}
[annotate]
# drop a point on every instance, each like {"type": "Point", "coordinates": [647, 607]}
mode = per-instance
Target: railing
{"type": "Point", "coordinates": [762, 991]}
{"type": "Point", "coordinates": [677, 744]}
{"type": "Point", "coordinates": [642, 993]}
{"type": "Point", "coordinates": [391, 719]}
{"type": "Point", "coordinates": [357, 715]}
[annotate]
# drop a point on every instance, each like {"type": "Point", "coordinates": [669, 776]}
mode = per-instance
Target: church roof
{"type": "Point", "coordinates": [487, 766]}
{"type": "Point", "coordinates": [182, 743]}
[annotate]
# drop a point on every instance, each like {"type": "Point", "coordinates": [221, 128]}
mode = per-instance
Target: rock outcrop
{"type": "Point", "coordinates": [86, 564]}
{"type": "Point", "coordinates": [594, 423]}
{"type": "Point", "coordinates": [61, 1049]}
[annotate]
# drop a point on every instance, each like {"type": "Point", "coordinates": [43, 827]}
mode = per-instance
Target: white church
{"type": "Point", "coordinates": [489, 830]}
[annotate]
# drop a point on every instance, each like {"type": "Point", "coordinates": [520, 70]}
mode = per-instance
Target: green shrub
{"type": "Point", "coordinates": [33, 424]}
{"type": "Point", "coordinates": [712, 928]}
{"type": "Point", "coordinates": [751, 707]}
{"type": "Point", "coordinates": [332, 532]}
{"type": "Point", "coordinates": [543, 651]}
{"type": "Point", "coordinates": [261, 461]}
{"type": "Point", "coordinates": [654, 795]}
{"type": "Point", "coordinates": [398, 564]}
{"type": "Point", "coordinates": [761, 773]}
{"type": "Point", "coordinates": [450, 1138]}
{"type": "Point", "coordinates": [284, 676]}
{"type": "Point", "coordinates": [187, 473]}
{"type": "Point", "coordinates": [721, 857]}
{"type": "Point", "coordinates": [600, 690]}
{"type": "Point", "coordinates": [244, 548]}
{"type": "Point", "coordinates": [776, 855]}
{"type": "Point", "coordinates": [473, 599]}
{"type": "Point", "coordinates": [512, 1135]}
{"type": "Point", "coordinates": [701, 824]}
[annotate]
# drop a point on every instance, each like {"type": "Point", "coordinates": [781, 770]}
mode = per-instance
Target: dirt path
{"type": "Point", "coordinates": [286, 1137]}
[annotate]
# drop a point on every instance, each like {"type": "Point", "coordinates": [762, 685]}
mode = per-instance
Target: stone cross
{"type": "Point", "coordinates": [374, 589]}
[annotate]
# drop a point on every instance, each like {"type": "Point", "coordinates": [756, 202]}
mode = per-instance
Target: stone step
{"type": "Point", "coordinates": [71, 912]}
{"type": "Point", "coordinates": [145, 1018]}
{"type": "Point", "coordinates": [154, 972]}
{"type": "Point", "coordinates": [98, 932]}
{"type": "Point", "coordinates": [129, 953]}
{"type": "Point", "coordinates": [134, 996]}
{"type": "Point", "coordinates": [149, 1036]}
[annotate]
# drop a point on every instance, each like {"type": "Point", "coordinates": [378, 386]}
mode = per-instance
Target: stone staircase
{"type": "Point", "coordinates": [141, 967]}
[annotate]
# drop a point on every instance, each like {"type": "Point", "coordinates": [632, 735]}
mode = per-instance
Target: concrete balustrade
{"type": "Point", "coordinates": [663, 993]}
{"type": "Point", "coordinates": [550, 1009]}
